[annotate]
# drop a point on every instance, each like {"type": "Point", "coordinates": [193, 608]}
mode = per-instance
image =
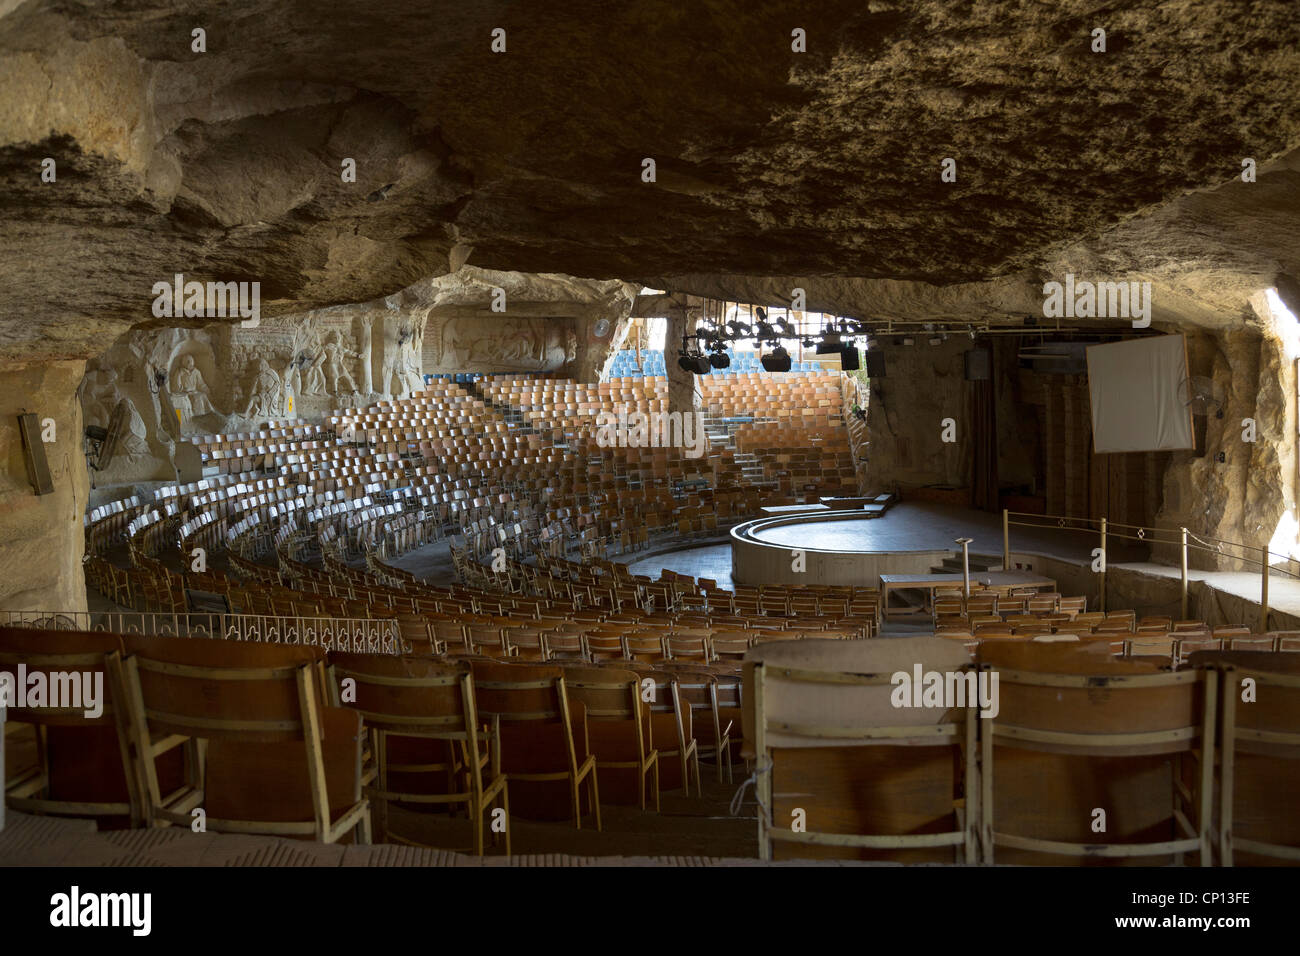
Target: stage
{"type": "Point", "coordinates": [912, 530]}
{"type": "Point", "coordinates": [849, 548]}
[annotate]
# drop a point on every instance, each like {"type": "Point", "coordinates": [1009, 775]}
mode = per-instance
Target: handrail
{"type": "Point", "coordinates": [1150, 534]}
{"type": "Point", "coordinates": [364, 635]}
{"type": "Point", "coordinates": [1186, 540]}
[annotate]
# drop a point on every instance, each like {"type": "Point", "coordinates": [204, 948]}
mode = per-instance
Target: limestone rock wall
{"type": "Point", "coordinates": [232, 377]}
{"type": "Point", "coordinates": [41, 537]}
{"type": "Point", "coordinates": [1249, 498]}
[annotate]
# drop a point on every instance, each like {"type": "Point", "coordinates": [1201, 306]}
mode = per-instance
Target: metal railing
{"type": "Point", "coordinates": [362, 635]}
{"type": "Point", "coordinates": [1186, 541]}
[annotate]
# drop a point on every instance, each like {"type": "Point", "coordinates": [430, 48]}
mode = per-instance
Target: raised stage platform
{"type": "Point", "coordinates": [831, 547]}
{"type": "Point", "coordinates": [924, 529]}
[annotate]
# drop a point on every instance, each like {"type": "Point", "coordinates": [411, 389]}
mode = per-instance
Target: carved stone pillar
{"type": "Point", "coordinates": [683, 394]}
{"type": "Point", "coordinates": [367, 365]}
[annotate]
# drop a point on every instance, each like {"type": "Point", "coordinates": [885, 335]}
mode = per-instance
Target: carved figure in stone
{"type": "Point", "coordinates": [292, 375]}
{"type": "Point", "coordinates": [265, 397]}
{"type": "Point", "coordinates": [134, 441]}
{"type": "Point", "coordinates": [412, 379]}
{"type": "Point", "coordinates": [315, 365]}
{"type": "Point", "coordinates": [570, 344]}
{"type": "Point", "coordinates": [336, 356]}
{"type": "Point", "coordinates": [188, 383]}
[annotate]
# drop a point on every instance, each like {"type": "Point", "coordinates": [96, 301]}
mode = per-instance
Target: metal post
{"type": "Point", "coordinates": [1006, 540]}
{"type": "Point", "coordinates": [1263, 594]}
{"type": "Point", "coordinates": [965, 563]}
{"type": "Point", "coordinates": [1102, 602]}
{"type": "Point", "coordinates": [1184, 567]}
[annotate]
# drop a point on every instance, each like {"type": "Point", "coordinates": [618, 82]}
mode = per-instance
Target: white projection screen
{"type": "Point", "coordinates": [1140, 395]}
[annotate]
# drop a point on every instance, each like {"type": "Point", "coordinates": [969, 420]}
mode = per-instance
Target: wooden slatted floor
{"type": "Point", "coordinates": [45, 841]}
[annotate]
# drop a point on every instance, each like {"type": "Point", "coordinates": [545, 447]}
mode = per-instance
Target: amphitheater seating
{"type": "Point", "coordinates": [543, 628]}
{"type": "Point", "coordinates": [619, 731]}
{"type": "Point", "coordinates": [259, 708]}
{"type": "Point", "coordinates": [1259, 756]}
{"type": "Point", "coordinates": [61, 779]}
{"type": "Point", "coordinates": [543, 739]}
{"type": "Point", "coordinates": [843, 773]}
{"type": "Point", "coordinates": [1084, 759]}
{"type": "Point", "coordinates": [406, 702]}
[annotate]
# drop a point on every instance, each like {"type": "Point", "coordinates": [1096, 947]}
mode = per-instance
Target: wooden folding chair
{"type": "Point", "coordinates": [672, 731]}
{"type": "Point", "coordinates": [842, 772]}
{"type": "Point", "coordinates": [618, 729]}
{"type": "Point", "coordinates": [697, 689]}
{"type": "Point", "coordinates": [1082, 762]}
{"type": "Point", "coordinates": [274, 755]}
{"type": "Point", "coordinates": [405, 700]}
{"type": "Point", "coordinates": [65, 779]}
{"type": "Point", "coordinates": [543, 738]}
{"type": "Point", "coordinates": [1259, 756]}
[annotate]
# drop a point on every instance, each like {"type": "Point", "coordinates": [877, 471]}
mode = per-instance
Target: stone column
{"type": "Point", "coordinates": [367, 365]}
{"type": "Point", "coordinates": [683, 394]}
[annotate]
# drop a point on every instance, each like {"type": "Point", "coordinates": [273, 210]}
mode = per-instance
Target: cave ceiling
{"type": "Point", "coordinates": [774, 169]}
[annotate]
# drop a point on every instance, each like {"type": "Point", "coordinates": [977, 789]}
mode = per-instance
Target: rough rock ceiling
{"type": "Point", "coordinates": [822, 165]}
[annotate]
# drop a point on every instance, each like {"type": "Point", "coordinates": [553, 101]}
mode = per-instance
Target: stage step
{"type": "Point", "coordinates": [978, 563]}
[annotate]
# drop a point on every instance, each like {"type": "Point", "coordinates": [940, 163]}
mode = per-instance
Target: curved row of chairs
{"type": "Point", "coordinates": [293, 741]}
{"type": "Point", "coordinates": [1073, 758]}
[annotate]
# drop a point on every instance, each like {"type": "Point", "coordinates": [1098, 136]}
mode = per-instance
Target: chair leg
{"type": "Point", "coordinates": [364, 836]}
{"type": "Point", "coordinates": [595, 798]}
{"type": "Point", "coordinates": [656, 781]}
{"type": "Point", "coordinates": [577, 803]}
{"type": "Point", "coordinates": [505, 805]}
{"type": "Point", "coordinates": [477, 814]}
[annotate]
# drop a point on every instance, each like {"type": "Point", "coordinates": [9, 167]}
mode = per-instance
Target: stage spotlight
{"type": "Point", "coordinates": [849, 360]}
{"type": "Point", "coordinates": [694, 362]}
{"type": "Point", "coordinates": [778, 360]}
{"type": "Point", "coordinates": [720, 360]}
{"type": "Point", "coordinates": [829, 344]}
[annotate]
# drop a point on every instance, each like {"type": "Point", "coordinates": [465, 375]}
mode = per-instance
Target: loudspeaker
{"type": "Point", "coordinates": [875, 363]}
{"type": "Point", "coordinates": [979, 365]}
{"type": "Point", "coordinates": [38, 469]}
{"type": "Point", "coordinates": [849, 359]}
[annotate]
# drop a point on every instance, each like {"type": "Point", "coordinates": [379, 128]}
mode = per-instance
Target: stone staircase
{"type": "Point", "coordinates": [514, 417]}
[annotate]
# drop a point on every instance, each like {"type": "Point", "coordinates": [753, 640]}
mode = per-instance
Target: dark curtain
{"type": "Point", "coordinates": [984, 420]}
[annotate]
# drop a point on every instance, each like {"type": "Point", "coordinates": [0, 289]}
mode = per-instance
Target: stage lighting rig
{"type": "Point", "coordinates": [691, 359]}
{"type": "Point", "coordinates": [778, 360]}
